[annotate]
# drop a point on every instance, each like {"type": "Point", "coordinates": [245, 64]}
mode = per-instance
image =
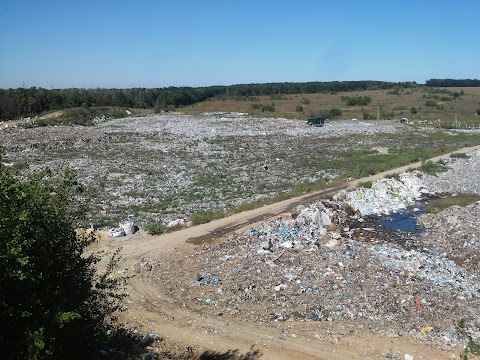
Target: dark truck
{"type": "Point", "coordinates": [317, 121]}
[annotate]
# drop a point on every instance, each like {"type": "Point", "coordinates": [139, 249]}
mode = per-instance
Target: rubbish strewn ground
{"type": "Point", "coordinates": [325, 266]}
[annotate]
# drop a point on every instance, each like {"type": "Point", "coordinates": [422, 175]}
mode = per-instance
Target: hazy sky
{"type": "Point", "coordinates": [147, 43]}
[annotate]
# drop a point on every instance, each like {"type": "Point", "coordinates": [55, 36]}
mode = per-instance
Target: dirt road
{"type": "Point", "coordinates": [152, 310]}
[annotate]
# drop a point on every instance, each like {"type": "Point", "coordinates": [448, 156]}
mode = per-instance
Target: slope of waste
{"type": "Point", "coordinates": [322, 265]}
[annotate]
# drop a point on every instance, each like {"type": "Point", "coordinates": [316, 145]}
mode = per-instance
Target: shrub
{"type": "Point", "coordinates": [268, 108]}
{"type": "Point", "coordinates": [431, 103]}
{"type": "Point", "coordinates": [334, 112]}
{"type": "Point", "coordinates": [394, 92]}
{"type": "Point", "coordinates": [305, 101]}
{"type": "Point", "coordinates": [53, 303]}
{"type": "Point", "coordinates": [367, 116]}
{"type": "Point", "coordinates": [299, 108]}
{"type": "Point", "coordinates": [413, 110]}
{"type": "Point", "coordinates": [357, 100]}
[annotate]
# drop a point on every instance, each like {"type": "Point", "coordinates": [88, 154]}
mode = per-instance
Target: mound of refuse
{"type": "Point", "coordinates": [316, 267]}
{"type": "Point", "coordinates": [385, 195]}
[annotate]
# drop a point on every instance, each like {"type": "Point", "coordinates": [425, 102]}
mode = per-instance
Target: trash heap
{"type": "Point", "coordinates": [125, 227]}
{"type": "Point", "coordinates": [385, 195]}
{"type": "Point", "coordinates": [312, 267]}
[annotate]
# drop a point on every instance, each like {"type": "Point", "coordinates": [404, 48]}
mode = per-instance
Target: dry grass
{"type": "Point", "coordinates": [466, 90]}
{"type": "Point", "coordinates": [384, 104]}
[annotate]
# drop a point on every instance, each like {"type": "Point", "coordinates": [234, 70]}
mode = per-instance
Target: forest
{"type": "Point", "coordinates": [25, 102]}
{"type": "Point", "coordinates": [453, 83]}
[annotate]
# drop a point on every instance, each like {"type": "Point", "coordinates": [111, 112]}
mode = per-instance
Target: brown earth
{"type": "Point", "coordinates": [152, 310]}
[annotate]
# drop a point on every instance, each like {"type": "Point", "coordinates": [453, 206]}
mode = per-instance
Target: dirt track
{"type": "Point", "coordinates": [152, 310]}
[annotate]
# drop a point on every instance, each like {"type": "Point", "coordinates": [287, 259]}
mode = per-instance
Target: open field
{"type": "Point", "coordinates": [466, 90]}
{"type": "Point", "coordinates": [385, 104]}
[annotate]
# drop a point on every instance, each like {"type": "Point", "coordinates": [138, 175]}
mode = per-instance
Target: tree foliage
{"type": "Point", "coordinates": [22, 102]}
{"type": "Point", "coordinates": [53, 304]}
{"type": "Point", "coordinates": [453, 83]}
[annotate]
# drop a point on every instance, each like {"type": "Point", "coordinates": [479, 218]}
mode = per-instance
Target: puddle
{"type": "Point", "coordinates": [405, 220]}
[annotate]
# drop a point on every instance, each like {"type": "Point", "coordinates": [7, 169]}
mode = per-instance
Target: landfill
{"type": "Point", "coordinates": [165, 167]}
{"type": "Point", "coordinates": [324, 265]}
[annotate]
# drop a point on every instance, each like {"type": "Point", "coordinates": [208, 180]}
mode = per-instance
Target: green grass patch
{"type": "Point", "coordinates": [159, 229]}
{"type": "Point", "coordinates": [365, 184]}
{"type": "Point", "coordinates": [431, 168]}
{"type": "Point", "coordinates": [349, 210]}
{"type": "Point", "coordinates": [459, 156]}
{"type": "Point", "coordinates": [207, 216]}
{"type": "Point", "coordinates": [394, 175]}
{"type": "Point", "coordinates": [438, 205]}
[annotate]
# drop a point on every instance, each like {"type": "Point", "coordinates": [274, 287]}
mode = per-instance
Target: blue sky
{"type": "Point", "coordinates": [146, 43]}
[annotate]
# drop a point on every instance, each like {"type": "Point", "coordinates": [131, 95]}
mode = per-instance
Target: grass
{"type": "Point", "coordinates": [438, 205]}
{"type": "Point", "coordinates": [394, 175]}
{"type": "Point", "coordinates": [432, 168]}
{"type": "Point", "coordinates": [365, 184]}
{"type": "Point", "coordinates": [159, 229]}
{"type": "Point", "coordinates": [466, 90]}
{"type": "Point", "coordinates": [354, 164]}
{"type": "Point", "coordinates": [389, 106]}
{"type": "Point", "coordinates": [459, 156]}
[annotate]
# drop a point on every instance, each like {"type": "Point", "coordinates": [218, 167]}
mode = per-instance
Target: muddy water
{"type": "Point", "coordinates": [405, 220]}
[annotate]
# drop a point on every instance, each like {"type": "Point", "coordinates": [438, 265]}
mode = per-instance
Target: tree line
{"type": "Point", "coordinates": [24, 102]}
{"type": "Point", "coordinates": [453, 83]}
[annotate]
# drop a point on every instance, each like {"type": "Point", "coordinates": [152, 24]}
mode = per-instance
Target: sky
{"type": "Point", "coordinates": [160, 43]}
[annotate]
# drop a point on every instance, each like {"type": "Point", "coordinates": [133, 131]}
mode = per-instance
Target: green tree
{"type": "Point", "coordinates": [53, 303]}
{"type": "Point", "coordinates": [413, 110]}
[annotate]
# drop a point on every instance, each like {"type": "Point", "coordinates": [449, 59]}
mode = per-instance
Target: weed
{"type": "Point", "coordinates": [438, 205]}
{"type": "Point", "coordinates": [473, 347]}
{"type": "Point", "coordinates": [459, 156]}
{"type": "Point", "coordinates": [207, 216]}
{"type": "Point", "coordinates": [349, 210]}
{"type": "Point", "coordinates": [366, 184]}
{"type": "Point", "coordinates": [432, 168]}
{"type": "Point", "coordinates": [159, 229]}
{"type": "Point", "coordinates": [394, 175]}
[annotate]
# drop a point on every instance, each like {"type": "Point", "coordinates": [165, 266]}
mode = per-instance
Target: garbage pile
{"type": "Point", "coordinates": [385, 195]}
{"type": "Point", "coordinates": [313, 267]}
{"type": "Point", "coordinates": [462, 176]}
{"type": "Point", "coordinates": [126, 227]}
